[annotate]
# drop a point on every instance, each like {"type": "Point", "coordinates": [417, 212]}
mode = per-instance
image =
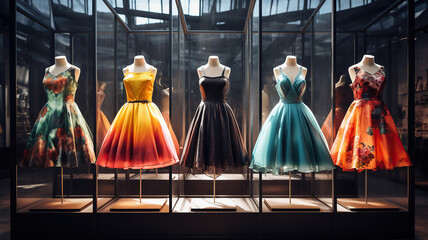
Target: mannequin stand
{"type": "Point", "coordinates": [140, 204]}
{"type": "Point", "coordinates": [280, 204]}
{"type": "Point", "coordinates": [222, 204]}
{"type": "Point", "coordinates": [63, 205]}
{"type": "Point", "coordinates": [358, 204]}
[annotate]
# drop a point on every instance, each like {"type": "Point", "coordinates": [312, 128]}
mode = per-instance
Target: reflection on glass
{"type": "Point", "coordinates": [343, 98]}
{"type": "Point", "coordinates": [215, 15]}
{"type": "Point", "coordinates": [143, 14]}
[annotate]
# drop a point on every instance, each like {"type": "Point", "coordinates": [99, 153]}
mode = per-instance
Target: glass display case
{"type": "Point", "coordinates": [252, 38]}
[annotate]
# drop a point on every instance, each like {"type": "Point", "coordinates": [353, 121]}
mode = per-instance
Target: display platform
{"type": "Point", "coordinates": [373, 204]}
{"type": "Point", "coordinates": [134, 204]}
{"type": "Point", "coordinates": [297, 204]}
{"type": "Point", "coordinates": [68, 205]}
{"type": "Point", "coordinates": [208, 204]}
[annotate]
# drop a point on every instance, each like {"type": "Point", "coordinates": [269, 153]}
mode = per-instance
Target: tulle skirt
{"type": "Point", "coordinates": [139, 139]}
{"type": "Point", "coordinates": [214, 139]}
{"type": "Point", "coordinates": [291, 139]}
{"type": "Point", "coordinates": [368, 139]}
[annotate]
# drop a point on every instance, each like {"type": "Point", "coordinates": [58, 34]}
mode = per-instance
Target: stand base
{"type": "Point", "coordinates": [207, 204]}
{"type": "Point", "coordinates": [282, 204]}
{"type": "Point", "coordinates": [68, 205]}
{"type": "Point", "coordinates": [373, 204]}
{"type": "Point", "coordinates": [133, 204]}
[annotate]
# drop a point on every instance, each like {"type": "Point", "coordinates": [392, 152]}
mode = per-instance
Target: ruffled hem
{"type": "Point", "coordinates": [165, 164]}
{"type": "Point", "coordinates": [278, 170]}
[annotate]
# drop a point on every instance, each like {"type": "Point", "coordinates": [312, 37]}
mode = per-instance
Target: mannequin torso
{"type": "Point", "coordinates": [367, 64]}
{"type": "Point", "coordinates": [61, 65]}
{"type": "Point", "coordinates": [140, 65]}
{"type": "Point", "coordinates": [290, 68]}
{"type": "Point", "coordinates": [213, 68]}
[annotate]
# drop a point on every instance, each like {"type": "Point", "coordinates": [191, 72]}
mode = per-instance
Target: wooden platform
{"type": "Point", "coordinates": [207, 204]}
{"type": "Point", "coordinates": [133, 204]}
{"type": "Point", "coordinates": [282, 204]}
{"type": "Point", "coordinates": [373, 204]}
{"type": "Point", "coordinates": [68, 205]}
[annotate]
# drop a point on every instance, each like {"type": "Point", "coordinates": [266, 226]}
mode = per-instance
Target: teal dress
{"type": "Point", "coordinates": [291, 138]}
{"type": "Point", "coordinates": [60, 136]}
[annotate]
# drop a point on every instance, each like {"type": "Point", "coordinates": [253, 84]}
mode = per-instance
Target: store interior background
{"type": "Point", "coordinates": [65, 27]}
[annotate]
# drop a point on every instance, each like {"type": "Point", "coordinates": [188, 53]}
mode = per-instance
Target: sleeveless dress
{"type": "Point", "coordinates": [367, 137]}
{"type": "Point", "coordinates": [60, 137]}
{"type": "Point", "coordinates": [213, 138]}
{"type": "Point", "coordinates": [138, 137]}
{"type": "Point", "coordinates": [291, 138]}
{"type": "Point", "coordinates": [103, 124]}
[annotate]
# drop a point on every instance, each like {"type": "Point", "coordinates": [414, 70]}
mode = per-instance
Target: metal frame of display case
{"type": "Point", "coordinates": [128, 225]}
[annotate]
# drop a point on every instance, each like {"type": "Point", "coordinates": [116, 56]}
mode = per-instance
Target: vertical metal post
{"type": "Point", "coordinates": [141, 186]}
{"type": "Point", "coordinates": [116, 97]}
{"type": "Point", "coordinates": [94, 100]}
{"type": "Point", "coordinates": [312, 61]}
{"type": "Point", "coordinates": [411, 109]}
{"type": "Point", "coordinates": [171, 61]}
{"type": "Point", "coordinates": [260, 96]}
{"type": "Point", "coordinates": [333, 75]}
{"type": "Point", "coordinates": [365, 187]}
{"type": "Point", "coordinates": [289, 187]}
{"type": "Point", "coordinates": [12, 101]}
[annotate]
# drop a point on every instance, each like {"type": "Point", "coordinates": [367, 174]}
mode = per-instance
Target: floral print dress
{"type": "Point", "coordinates": [368, 137]}
{"type": "Point", "coordinates": [60, 136]}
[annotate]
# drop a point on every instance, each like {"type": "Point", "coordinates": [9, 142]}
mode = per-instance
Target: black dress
{"type": "Point", "coordinates": [214, 138]}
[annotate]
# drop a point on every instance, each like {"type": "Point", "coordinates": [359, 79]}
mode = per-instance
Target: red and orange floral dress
{"type": "Point", "coordinates": [60, 136]}
{"type": "Point", "coordinates": [368, 137]}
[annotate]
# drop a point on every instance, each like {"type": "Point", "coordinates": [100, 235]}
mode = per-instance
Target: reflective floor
{"type": "Point", "coordinates": [421, 212]}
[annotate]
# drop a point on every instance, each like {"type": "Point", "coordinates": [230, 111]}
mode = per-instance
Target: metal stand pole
{"type": "Point", "coordinates": [140, 186]}
{"type": "Point", "coordinates": [365, 186]}
{"type": "Point", "coordinates": [214, 185]}
{"type": "Point", "coordinates": [62, 186]}
{"type": "Point", "coordinates": [289, 187]}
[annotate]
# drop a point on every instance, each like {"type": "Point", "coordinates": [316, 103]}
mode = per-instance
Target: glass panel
{"type": "Point", "coordinates": [312, 49]}
{"type": "Point", "coordinates": [321, 92]}
{"type": "Point", "coordinates": [39, 186]}
{"type": "Point", "coordinates": [37, 9]}
{"type": "Point", "coordinates": [232, 184]}
{"type": "Point", "coordinates": [72, 15]}
{"type": "Point", "coordinates": [215, 15]}
{"type": "Point", "coordinates": [356, 14]}
{"type": "Point", "coordinates": [143, 14]}
{"type": "Point", "coordinates": [421, 73]}
{"type": "Point", "coordinates": [4, 88]}
{"type": "Point", "coordinates": [385, 38]}
{"type": "Point", "coordinates": [289, 15]}
{"type": "Point", "coordinates": [253, 69]}
{"type": "Point", "coordinates": [177, 116]}
{"type": "Point", "coordinates": [117, 186]}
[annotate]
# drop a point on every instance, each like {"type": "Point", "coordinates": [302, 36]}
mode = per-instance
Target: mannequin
{"type": "Point", "coordinates": [61, 65]}
{"type": "Point", "coordinates": [213, 68]}
{"type": "Point", "coordinates": [140, 65]}
{"type": "Point", "coordinates": [290, 68]}
{"type": "Point", "coordinates": [366, 64]}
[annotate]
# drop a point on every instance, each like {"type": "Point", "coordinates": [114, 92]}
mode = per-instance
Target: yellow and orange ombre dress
{"type": "Point", "coordinates": [139, 137]}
